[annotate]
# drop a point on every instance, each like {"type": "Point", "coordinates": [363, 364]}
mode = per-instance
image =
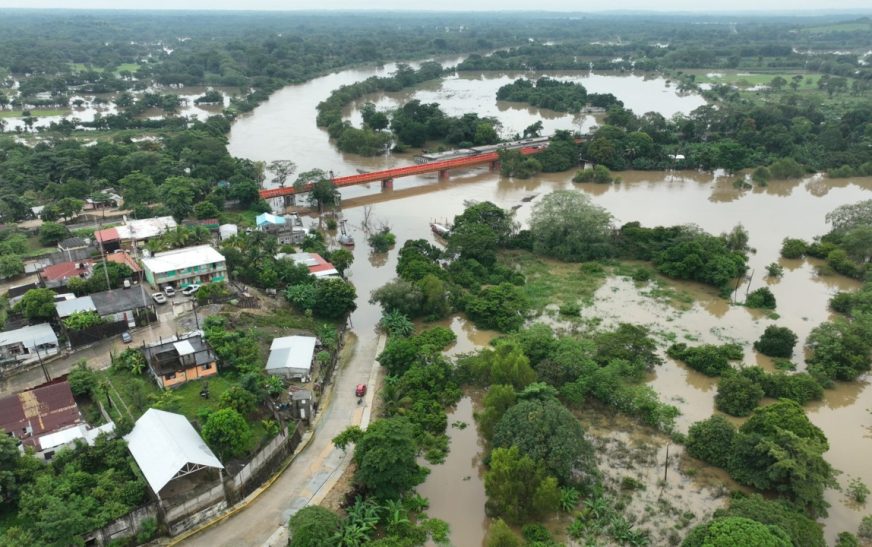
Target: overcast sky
{"type": "Point", "coordinates": [464, 5]}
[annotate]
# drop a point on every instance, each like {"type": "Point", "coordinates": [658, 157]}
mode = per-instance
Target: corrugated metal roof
{"type": "Point", "coordinates": [291, 353]}
{"type": "Point", "coordinates": [180, 259]}
{"type": "Point", "coordinates": [69, 307]}
{"type": "Point", "coordinates": [162, 443]}
{"type": "Point", "coordinates": [31, 336]}
{"type": "Point", "coordinates": [31, 414]}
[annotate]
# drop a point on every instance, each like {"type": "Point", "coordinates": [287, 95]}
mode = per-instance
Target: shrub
{"type": "Point", "coordinates": [382, 240]}
{"type": "Point", "coordinates": [774, 270]}
{"type": "Point", "coordinates": [776, 342]}
{"type": "Point", "coordinates": [737, 395]}
{"type": "Point", "coordinates": [857, 490]}
{"type": "Point", "coordinates": [599, 173]}
{"type": "Point", "coordinates": [793, 248]}
{"type": "Point", "coordinates": [761, 298]}
{"type": "Point", "coordinates": [786, 168]}
{"type": "Point", "coordinates": [709, 359]}
{"type": "Point", "coordinates": [712, 440]}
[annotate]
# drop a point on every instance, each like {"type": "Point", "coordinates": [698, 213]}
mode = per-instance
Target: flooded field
{"type": "Point", "coordinates": [284, 128]}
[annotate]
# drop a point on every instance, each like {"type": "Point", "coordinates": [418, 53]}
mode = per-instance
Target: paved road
{"type": "Point", "coordinates": [172, 319]}
{"type": "Point", "coordinates": [311, 469]}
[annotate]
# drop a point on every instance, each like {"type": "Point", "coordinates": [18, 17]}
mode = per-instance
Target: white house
{"type": "Point", "coordinates": [291, 356]}
{"type": "Point", "coordinates": [182, 267]}
{"type": "Point", "coordinates": [28, 344]}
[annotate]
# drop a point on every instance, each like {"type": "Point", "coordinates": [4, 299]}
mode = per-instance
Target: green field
{"type": "Point", "coordinates": [745, 78]}
{"type": "Point", "coordinates": [36, 112]}
{"type": "Point", "coordinates": [81, 67]}
{"type": "Point", "coordinates": [848, 26]}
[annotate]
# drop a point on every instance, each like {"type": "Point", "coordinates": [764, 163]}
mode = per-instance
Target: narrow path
{"type": "Point", "coordinates": [314, 469]}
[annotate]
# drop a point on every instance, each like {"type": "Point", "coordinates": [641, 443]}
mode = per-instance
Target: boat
{"type": "Point", "coordinates": [344, 238]}
{"type": "Point", "coordinates": [440, 230]}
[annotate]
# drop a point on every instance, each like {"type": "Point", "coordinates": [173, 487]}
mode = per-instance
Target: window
{"type": "Point", "coordinates": [207, 366]}
{"type": "Point", "coordinates": [170, 376]}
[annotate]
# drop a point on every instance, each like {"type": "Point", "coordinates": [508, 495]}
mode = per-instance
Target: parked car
{"type": "Point", "coordinates": [126, 338]}
{"type": "Point", "coordinates": [169, 291]}
{"type": "Point", "coordinates": [159, 298]}
{"type": "Point", "coordinates": [360, 391]}
{"type": "Point", "coordinates": [190, 289]}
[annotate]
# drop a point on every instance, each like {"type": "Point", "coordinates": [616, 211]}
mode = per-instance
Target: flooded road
{"type": "Point", "coordinates": [284, 128]}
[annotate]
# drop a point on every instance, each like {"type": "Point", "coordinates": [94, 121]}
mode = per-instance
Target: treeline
{"type": "Point", "coordinates": [166, 176]}
{"type": "Point", "coordinates": [555, 95]}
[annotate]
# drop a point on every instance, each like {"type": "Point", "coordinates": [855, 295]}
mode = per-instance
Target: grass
{"type": "Point", "coordinates": [35, 112]}
{"type": "Point", "coordinates": [552, 282]}
{"type": "Point", "coordinates": [847, 26]}
{"type": "Point", "coordinates": [244, 219]}
{"type": "Point", "coordinates": [750, 78]}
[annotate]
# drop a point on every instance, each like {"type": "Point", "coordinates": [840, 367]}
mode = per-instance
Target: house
{"type": "Point", "coordinates": [28, 344]}
{"type": "Point", "coordinates": [182, 267]}
{"type": "Point", "coordinates": [291, 357]}
{"type": "Point", "coordinates": [177, 361]}
{"type": "Point", "coordinates": [166, 447]}
{"type": "Point", "coordinates": [134, 232]}
{"type": "Point", "coordinates": [46, 419]}
{"type": "Point", "coordinates": [288, 229]}
{"type": "Point", "coordinates": [315, 262]}
{"type": "Point", "coordinates": [15, 294]}
{"type": "Point", "coordinates": [130, 305]}
{"type": "Point", "coordinates": [73, 244]}
{"type": "Point", "coordinates": [114, 306]}
{"type": "Point", "coordinates": [126, 260]}
{"type": "Point", "coordinates": [57, 275]}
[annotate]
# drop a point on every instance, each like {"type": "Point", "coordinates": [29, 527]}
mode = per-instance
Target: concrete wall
{"type": "Point", "coordinates": [126, 526]}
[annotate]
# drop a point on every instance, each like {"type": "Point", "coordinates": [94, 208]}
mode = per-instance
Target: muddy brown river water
{"type": "Point", "coordinates": [284, 128]}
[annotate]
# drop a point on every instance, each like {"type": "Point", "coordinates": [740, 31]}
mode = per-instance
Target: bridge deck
{"type": "Point", "coordinates": [406, 171]}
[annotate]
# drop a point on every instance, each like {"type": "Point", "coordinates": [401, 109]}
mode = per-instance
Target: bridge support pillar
{"type": "Point", "coordinates": [494, 166]}
{"type": "Point", "coordinates": [443, 174]}
{"type": "Point", "coordinates": [388, 184]}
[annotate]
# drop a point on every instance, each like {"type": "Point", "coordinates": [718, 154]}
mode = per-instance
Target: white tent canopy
{"type": "Point", "coordinates": [166, 446]}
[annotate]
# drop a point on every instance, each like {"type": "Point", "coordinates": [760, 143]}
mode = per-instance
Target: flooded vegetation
{"type": "Point", "coordinates": [674, 311]}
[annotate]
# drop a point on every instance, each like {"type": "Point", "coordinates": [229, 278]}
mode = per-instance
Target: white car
{"type": "Point", "coordinates": [159, 298]}
{"type": "Point", "coordinates": [169, 291]}
{"type": "Point", "coordinates": [190, 289]}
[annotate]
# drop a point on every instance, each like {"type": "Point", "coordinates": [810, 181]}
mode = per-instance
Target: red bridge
{"type": "Point", "coordinates": [388, 175]}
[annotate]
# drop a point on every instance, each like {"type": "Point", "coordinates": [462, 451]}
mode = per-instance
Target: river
{"type": "Point", "coordinates": [284, 128]}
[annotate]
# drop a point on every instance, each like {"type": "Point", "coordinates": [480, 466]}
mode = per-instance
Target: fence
{"type": "Point", "coordinates": [125, 526]}
{"type": "Point", "coordinates": [96, 333]}
{"type": "Point", "coordinates": [264, 462]}
{"type": "Point", "coordinates": [174, 511]}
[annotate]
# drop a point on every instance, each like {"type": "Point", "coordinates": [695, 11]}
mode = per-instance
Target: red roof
{"type": "Point", "coordinates": [65, 270]}
{"type": "Point", "coordinates": [31, 414]}
{"type": "Point", "coordinates": [107, 235]}
{"type": "Point", "coordinates": [125, 259]}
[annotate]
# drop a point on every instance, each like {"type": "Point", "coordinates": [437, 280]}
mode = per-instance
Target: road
{"type": "Point", "coordinates": [171, 319]}
{"type": "Point", "coordinates": [311, 469]}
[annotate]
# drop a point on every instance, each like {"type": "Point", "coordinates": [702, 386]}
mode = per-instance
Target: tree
{"type": "Point", "coordinates": [382, 240]}
{"type": "Point", "coordinates": [51, 233]}
{"type": "Point", "coordinates": [802, 530]}
{"type": "Point", "coordinates": [37, 304]}
{"type": "Point", "coordinates": [137, 189]}
{"type": "Point", "coordinates": [761, 298]}
{"type": "Point", "coordinates": [500, 307]}
{"type": "Point", "coordinates": [239, 399]}
{"type": "Point", "coordinates": [281, 170]}
{"type": "Point", "coordinates": [712, 440]}
{"type": "Point", "coordinates": [567, 225]}
{"type": "Point", "coordinates": [227, 433]}
{"type": "Point", "coordinates": [386, 460]}
{"type": "Point", "coordinates": [737, 395]}
{"type": "Point", "coordinates": [841, 349]}
{"type": "Point", "coordinates": [517, 487]}
{"type": "Point", "coordinates": [486, 213]}
{"type": "Point", "coordinates": [69, 207]}
{"type": "Point", "coordinates": [732, 531]}
{"type": "Point", "coordinates": [779, 449]}
{"type": "Point", "coordinates": [334, 298]}
{"type": "Point", "coordinates": [400, 296]}
{"type": "Point", "coordinates": [506, 364]}
{"type": "Point", "coordinates": [845, 217]}
{"type": "Point", "coordinates": [776, 342]}
{"type": "Point", "coordinates": [793, 248]}
{"type": "Point", "coordinates": [206, 209]}
{"type": "Point", "coordinates": [178, 193]}
{"type": "Point", "coordinates": [475, 241]}
{"type": "Point", "coordinates": [547, 432]}
{"type": "Point", "coordinates": [500, 535]}
{"type": "Point", "coordinates": [11, 266]}
{"type": "Point", "coordinates": [497, 401]}
{"type": "Point", "coordinates": [83, 381]}
{"type": "Point", "coordinates": [534, 129]}
{"type": "Point", "coordinates": [313, 526]}
{"type": "Point", "coordinates": [341, 260]}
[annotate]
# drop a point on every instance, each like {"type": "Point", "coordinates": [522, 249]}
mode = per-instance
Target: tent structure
{"type": "Point", "coordinates": [291, 356]}
{"type": "Point", "coordinates": [166, 446]}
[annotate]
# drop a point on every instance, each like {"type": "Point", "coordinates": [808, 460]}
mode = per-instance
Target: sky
{"type": "Point", "coordinates": [459, 5]}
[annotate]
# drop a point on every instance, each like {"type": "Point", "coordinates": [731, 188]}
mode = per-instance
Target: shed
{"type": "Point", "coordinates": [69, 307]}
{"type": "Point", "coordinates": [166, 446]}
{"type": "Point", "coordinates": [291, 356]}
{"type": "Point", "coordinates": [226, 231]}
{"type": "Point", "coordinates": [29, 343]}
